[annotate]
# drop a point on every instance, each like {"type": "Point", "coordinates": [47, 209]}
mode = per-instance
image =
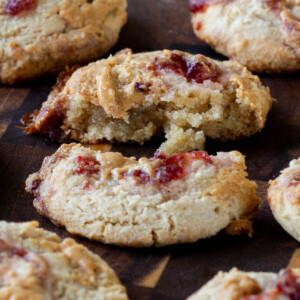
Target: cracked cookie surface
{"type": "Point", "coordinates": [150, 202]}
{"type": "Point", "coordinates": [133, 97]}
{"type": "Point", "coordinates": [263, 35]}
{"type": "Point", "coordinates": [284, 198]}
{"type": "Point", "coordinates": [36, 264]}
{"type": "Point", "coordinates": [44, 36]}
{"type": "Point", "coordinates": [239, 285]}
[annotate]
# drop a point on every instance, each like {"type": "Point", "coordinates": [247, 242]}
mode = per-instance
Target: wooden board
{"type": "Point", "coordinates": [177, 271]}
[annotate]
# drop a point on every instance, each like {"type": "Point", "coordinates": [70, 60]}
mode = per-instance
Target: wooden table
{"type": "Point", "coordinates": [177, 271]}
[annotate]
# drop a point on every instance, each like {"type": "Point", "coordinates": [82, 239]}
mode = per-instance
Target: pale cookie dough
{"type": "Point", "coordinates": [239, 285]}
{"type": "Point", "coordinates": [132, 97]}
{"type": "Point", "coordinates": [36, 264]}
{"type": "Point", "coordinates": [284, 199]}
{"type": "Point", "coordinates": [150, 202]}
{"type": "Point", "coordinates": [43, 36]}
{"type": "Point", "coordinates": [263, 35]}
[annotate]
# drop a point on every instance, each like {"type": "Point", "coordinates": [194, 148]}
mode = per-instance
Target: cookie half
{"type": "Point", "coordinates": [284, 198]}
{"type": "Point", "coordinates": [37, 264]}
{"type": "Point", "coordinates": [44, 36]}
{"type": "Point", "coordinates": [150, 202]}
{"type": "Point", "coordinates": [239, 285]}
{"type": "Point", "coordinates": [133, 97]}
{"type": "Point", "coordinates": [263, 35]}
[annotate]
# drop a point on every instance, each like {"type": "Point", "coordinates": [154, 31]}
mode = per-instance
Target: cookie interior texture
{"type": "Point", "coordinates": [262, 35]}
{"type": "Point", "coordinates": [284, 198]}
{"type": "Point", "coordinates": [51, 34]}
{"type": "Point", "coordinates": [37, 264]}
{"type": "Point", "coordinates": [159, 201]}
{"type": "Point", "coordinates": [133, 97]}
{"type": "Point", "coordinates": [239, 285]}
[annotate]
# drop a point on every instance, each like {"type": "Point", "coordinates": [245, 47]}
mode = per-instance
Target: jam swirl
{"type": "Point", "coordinates": [170, 167]}
{"type": "Point", "coordinates": [287, 284]}
{"type": "Point", "coordinates": [193, 71]}
{"type": "Point", "coordinates": [86, 165]}
{"type": "Point", "coordinates": [4, 247]}
{"type": "Point", "coordinates": [14, 7]}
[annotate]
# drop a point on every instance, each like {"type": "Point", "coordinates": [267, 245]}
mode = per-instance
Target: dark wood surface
{"type": "Point", "coordinates": [177, 271]}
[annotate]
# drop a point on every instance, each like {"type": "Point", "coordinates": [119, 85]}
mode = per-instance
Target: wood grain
{"type": "Point", "coordinates": [171, 272]}
{"type": "Point", "coordinates": [151, 279]}
{"type": "Point", "coordinates": [295, 260]}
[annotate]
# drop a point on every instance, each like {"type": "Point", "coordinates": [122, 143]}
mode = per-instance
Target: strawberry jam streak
{"type": "Point", "coordinates": [11, 250]}
{"type": "Point", "coordinates": [35, 185]}
{"type": "Point", "coordinates": [49, 119]}
{"type": "Point", "coordinates": [86, 165]}
{"type": "Point", "coordinates": [14, 7]}
{"type": "Point", "coordinates": [198, 5]}
{"type": "Point", "coordinates": [197, 71]}
{"type": "Point", "coordinates": [202, 5]}
{"type": "Point", "coordinates": [287, 284]}
{"type": "Point", "coordinates": [170, 168]}
{"type": "Point", "coordinates": [140, 176]}
{"type": "Point", "coordinates": [273, 5]}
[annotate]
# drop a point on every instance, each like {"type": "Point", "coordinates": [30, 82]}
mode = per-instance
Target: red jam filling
{"type": "Point", "coordinates": [14, 7]}
{"type": "Point", "coordinates": [170, 168]}
{"type": "Point", "coordinates": [35, 185]}
{"type": "Point", "coordinates": [141, 87]}
{"type": "Point", "coordinates": [11, 250]}
{"type": "Point", "coordinates": [198, 26]}
{"type": "Point", "coordinates": [197, 71]}
{"type": "Point", "coordinates": [287, 284]}
{"type": "Point", "coordinates": [140, 176]}
{"type": "Point", "coordinates": [273, 5]}
{"type": "Point", "coordinates": [52, 123]}
{"type": "Point", "coordinates": [86, 165]}
{"type": "Point", "coordinates": [50, 119]}
{"type": "Point", "coordinates": [198, 5]}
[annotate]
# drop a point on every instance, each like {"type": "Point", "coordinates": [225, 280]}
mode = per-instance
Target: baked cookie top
{"type": "Point", "coordinates": [284, 198]}
{"type": "Point", "coordinates": [150, 202]}
{"type": "Point", "coordinates": [239, 285]}
{"type": "Point", "coordinates": [37, 264]}
{"type": "Point", "coordinates": [263, 35]}
{"type": "Point", "coordinates": [132, 97]}
{"type": "Point", "coordinates": [42, 36]}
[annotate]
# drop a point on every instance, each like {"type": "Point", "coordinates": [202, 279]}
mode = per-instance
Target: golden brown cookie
{"type": "Point", "coordinates": [150, 202]}
{"type": "Point", "coordinates": [239, 285]}
{"type": "Point", "coordinates": [284, 198]}
{"type": "Point", "coordinates": [44, 36]}
{"type": "Point", "coordinates": [36, 264]}
{"type": "Point", "coordinates": [133, 97]}
{"type": "Point", "coordinates": [263, 35]}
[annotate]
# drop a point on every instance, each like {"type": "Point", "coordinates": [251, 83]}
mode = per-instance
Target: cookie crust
{"type": "Point", "coordinates": [239, 285]}
{"type": "Point", "coordinates": [149, 202]}
{"type": "Point", "coordinates": [56, 33]}
{"type": "Point", "coordinates": [37, 264]}
{"type": "Point", "coordinates": [284, 198]}
{"type": "Point", "coordinates": [134, 97]}
{"type": "Point", "coordinates": [263, 35]}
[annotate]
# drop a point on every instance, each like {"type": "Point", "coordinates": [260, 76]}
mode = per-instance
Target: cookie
{"type": "Point", "coordinates": [36, 264]}
{"type": "Point", "coordinates": [263, 35]}
{"type": "Point", "coordinates": [133, 97]}
{"type": "Point", "coordinates": [43, 36]}
{"type": "Point", "coordinates": [150, 202]}
{"type": "Point", "coordinates": [284, 199]}
{"type": "Point", "coordinates": [239, 285]}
